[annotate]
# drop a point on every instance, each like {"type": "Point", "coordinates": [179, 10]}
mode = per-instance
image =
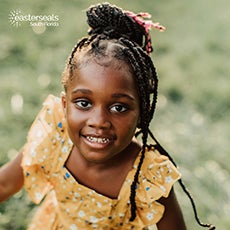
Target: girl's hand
{"type": "Point", "coordinates": [11, 178]}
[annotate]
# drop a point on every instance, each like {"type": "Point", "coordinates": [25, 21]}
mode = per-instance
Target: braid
{"type": "Point", "coordinates": [123, 36]}
{"type": "Point", "coordinates": [137, 59]}
{"type": "Point", "coordinates": [135, 183]}
{"type": "Point", "coordinates": [164, 152]}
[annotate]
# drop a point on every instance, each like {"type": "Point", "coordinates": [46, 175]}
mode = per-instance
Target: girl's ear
{"type": "Point", "coordinates": [63, 100]}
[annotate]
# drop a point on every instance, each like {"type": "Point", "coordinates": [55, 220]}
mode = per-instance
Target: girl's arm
{"type": "Point", "coordinates": [11, 178]}
{"type": "Point", "coordinates": [172, 218]}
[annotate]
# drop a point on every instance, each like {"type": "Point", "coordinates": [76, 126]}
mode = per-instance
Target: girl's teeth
{"type": "Point", "coordinates": [97, 139]}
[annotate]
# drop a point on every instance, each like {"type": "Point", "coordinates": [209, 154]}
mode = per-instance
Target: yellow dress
{"type": "Point", "coordinates": [68, 205]}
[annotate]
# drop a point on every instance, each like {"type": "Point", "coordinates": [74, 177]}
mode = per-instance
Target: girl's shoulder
{"type": "Point", "coordinates": [46, 149]}
{"type": "Point", "coordinates": [48, 132]}
{"type": "Point", "coordinates": [158, 174]}
{"type": "Point", "coordinates": [47, 118]}
{"type": "Point", "coordinates": [156, 179]}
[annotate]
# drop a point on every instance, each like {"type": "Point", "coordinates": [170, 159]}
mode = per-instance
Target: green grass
{"type": "Point", "coordinates": [192, 118]}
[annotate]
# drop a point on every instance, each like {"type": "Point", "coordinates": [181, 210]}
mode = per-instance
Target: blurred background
{"type": "Point", "coordinates": [192, 118]}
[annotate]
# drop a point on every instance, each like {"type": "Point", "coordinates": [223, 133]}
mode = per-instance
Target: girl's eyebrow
{"type": "Point", "coordinates": [84, 91]}
{"type": "Point", "coordinates": [115, 95]}
{"type": "Point", "coordinates": [122, 95]}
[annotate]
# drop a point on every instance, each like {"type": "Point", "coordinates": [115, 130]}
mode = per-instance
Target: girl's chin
{"type": "Point", "coordinates": [96, 158]}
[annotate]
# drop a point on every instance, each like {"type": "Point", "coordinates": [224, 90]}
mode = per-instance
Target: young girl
{"type": "Point", "coordinates": [81, 154]}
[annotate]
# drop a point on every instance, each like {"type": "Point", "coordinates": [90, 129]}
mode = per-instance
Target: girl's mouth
{"type": "Point", "coordinates": [99, 140]}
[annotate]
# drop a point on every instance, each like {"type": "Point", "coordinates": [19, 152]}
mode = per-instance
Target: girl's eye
{"type": "Point", "coordinates": [119, 108]}
{"type": "Point", "coordinates": [83, 104]}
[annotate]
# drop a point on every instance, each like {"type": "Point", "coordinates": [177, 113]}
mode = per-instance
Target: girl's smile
{"type": "Point", "coordinates": [97, 142]}
{"type": "Point", "coordinates": [102, 110]}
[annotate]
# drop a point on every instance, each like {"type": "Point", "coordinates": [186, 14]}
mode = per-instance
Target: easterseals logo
{"type": "Point", "coordinates": [17, 18]}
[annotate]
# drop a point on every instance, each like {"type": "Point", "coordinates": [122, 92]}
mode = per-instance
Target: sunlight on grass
{"type": "Point", "coordinates": [17, 104]}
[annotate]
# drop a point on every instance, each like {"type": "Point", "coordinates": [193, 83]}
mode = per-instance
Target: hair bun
{"type": "Point", "coordinates": [114, 23]}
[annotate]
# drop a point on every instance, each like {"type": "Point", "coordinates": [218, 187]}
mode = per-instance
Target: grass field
{"type": "Point", "coordinates": [192, 120]}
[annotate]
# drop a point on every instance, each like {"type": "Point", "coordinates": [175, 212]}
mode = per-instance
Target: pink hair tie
{"type": "Point", "coordinates": [140, 18]}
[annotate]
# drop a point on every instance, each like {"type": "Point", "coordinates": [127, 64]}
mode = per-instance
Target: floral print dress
{"type": "Point", "coordinates": [68, 205]}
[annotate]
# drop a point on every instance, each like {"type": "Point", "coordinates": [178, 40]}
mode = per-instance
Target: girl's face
{"type": "Point", "coordinates": [102, 110]}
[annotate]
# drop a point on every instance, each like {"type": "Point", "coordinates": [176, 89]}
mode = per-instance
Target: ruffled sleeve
{"type": "Point", "coordinates": [156, 180]}
{"type": "Point", "coordinates": [44, 137]}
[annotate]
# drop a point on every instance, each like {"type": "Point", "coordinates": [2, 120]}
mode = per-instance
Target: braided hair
{"type": "Point", "coordinates": [113, 32]}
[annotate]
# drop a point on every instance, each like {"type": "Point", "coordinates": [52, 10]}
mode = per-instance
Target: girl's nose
{"type": "Point", "coordinates": [99, 119]}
